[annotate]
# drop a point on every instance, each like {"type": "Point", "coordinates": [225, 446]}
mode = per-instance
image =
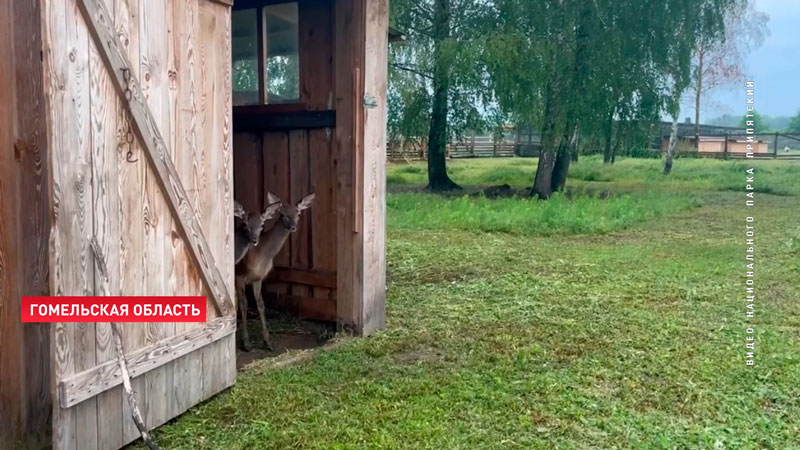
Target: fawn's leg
{"type": "Point", "coordinates": [262, 313]}
{"type": "Point", "coordinates": [244, 339]}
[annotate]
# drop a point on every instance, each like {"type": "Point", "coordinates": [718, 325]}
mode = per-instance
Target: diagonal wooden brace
{"type": "Point", "coordinates": [99, 21]}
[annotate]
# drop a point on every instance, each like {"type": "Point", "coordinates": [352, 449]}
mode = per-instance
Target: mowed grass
{"type": "Point", "coordinates": [554, 335]}
{"type": "Point", "coordinates": [689, 174]}
{"type": "Point", "coordinates": [559, 215]}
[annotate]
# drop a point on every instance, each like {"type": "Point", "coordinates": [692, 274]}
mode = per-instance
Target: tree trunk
{"type": "Point", "coordinates": [573, 144]}
{"type": "Point", "coordinates": [673, 141]}
{"type": "Point", "coordinates": [438, 180]}
{"type": "Point", "coordinates": [543, 183]}
{"type": "Point", "coordinates": [560, 169]}
{"type": "Point", "coordinates": [568, 152]}
{"type": "Point", "coordinates": [697, 93]}
{"type": "Point", "coordinates": [608, 132]}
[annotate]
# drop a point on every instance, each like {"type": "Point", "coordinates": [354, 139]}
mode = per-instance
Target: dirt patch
{"type": "Point", "coordinates": [288, 334]}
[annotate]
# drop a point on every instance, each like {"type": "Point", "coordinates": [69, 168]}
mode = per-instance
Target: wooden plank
{"type": "Point", "coordinates": [373, 299]}
{"type": "Point", "coordinates": [80, 386]}
{"type": "Point", "coordinates": [223, 109]}
{"type": "Point", "coordinates": [261, 56]}
{"type": "Point", "coordinates": [99, 22]}
{"type": "Point", "coordinates": [188, 391]}
{"type": "Point", "coordinates": [106, 204]}
{"type": "Point", "coordinates": [154, 78]}
{"type": "Point", "coordinates": [248, 168]}
{"type": "Point", "coordinates": [73, 224]}
{"type": "Point", "coordinates": [28, 219]}
{"type": "Point", "coordinates": [173, 252]}
{"type": "Point", "coordinates": [323, 309]}
{"type": "Point", "coordinates": [215, 124]}
{"type": "Point", "coordinates": [11, 359]}
{"type": "Point", "coordinates": [347, 35]}
{"type": "Point", "coordinates": [259, 120]}
{"type": "Point", "coordinates": [314, 278]}
{"type": "Point", "coordinates": [360, 160]}
{"type": "Point", "coordinates": [316, 90]}
{"type": "Point", "coordinates": [131, 166]}
{"type": "Point", "coordinates": [323, 218]}
{"type": "Point", "coordinates": [35, 217]}
{"type": "Point", "coordinates": [299, 187]}
{"type": "Point", "coordinates": [276, 180]}
{"type": "Point", "coordinates": [215, 113]}
{"type": "Point", "coordinates": [85, 355]}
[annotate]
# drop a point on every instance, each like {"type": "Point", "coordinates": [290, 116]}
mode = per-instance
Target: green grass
{"type": "Point", "coordinates": [522, 324]}
{"type": "Point", "coordinates": [560, 215]}
{"type": "Point", "coordinates": [689, 174]}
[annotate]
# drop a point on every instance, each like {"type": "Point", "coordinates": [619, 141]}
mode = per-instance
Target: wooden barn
{"type": "Point", "coordinates": [127, 128]}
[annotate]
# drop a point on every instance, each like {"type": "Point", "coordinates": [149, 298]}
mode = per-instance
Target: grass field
{"type": "Point", "coordinates": [588, 321]}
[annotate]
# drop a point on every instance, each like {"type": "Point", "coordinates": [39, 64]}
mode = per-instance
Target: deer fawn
{"type": "Point", "coordinates": [247, 228]}
{"type": "Point", "coordinates": [257, 263]}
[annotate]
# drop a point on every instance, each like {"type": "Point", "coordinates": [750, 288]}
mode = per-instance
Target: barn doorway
{"type": "Point", "coordinates": [299, 73]}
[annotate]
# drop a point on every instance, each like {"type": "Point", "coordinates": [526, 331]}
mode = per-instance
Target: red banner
{"type": "Point", "coordinates": [113, 309]}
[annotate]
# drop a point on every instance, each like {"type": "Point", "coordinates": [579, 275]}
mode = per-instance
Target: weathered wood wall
{"type": "Point", "coordinates": [24, 225]}
{"type": "Point", "coordinates": [104, 188]}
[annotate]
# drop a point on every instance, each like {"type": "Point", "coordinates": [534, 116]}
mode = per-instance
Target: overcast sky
{"type": "Point", "coordinates": [775, 68]}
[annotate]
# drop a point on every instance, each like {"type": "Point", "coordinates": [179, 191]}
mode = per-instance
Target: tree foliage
{"type": "Point", "coordinates": [603, 69]}
{"type": "Point", "coordinates": [794, 125]}
{"type": "Point", "coordinates": [755, 121]}
{"type": "Point", "coordinates": [719, 62]}
{"type": "Point", "coordinates": [562, 64]}
{"type": "Point", "coordinates": [436, 89]}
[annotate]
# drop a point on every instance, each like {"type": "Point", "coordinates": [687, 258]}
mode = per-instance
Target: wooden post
{"type": "Point", "coordinates": [361, 46]}
{"type": "Point", "coordinates": [727, 138]}
{"type": "Point", "coordinates": [775, 154]}
{"type": "Point", "coordinates": [262, 56]}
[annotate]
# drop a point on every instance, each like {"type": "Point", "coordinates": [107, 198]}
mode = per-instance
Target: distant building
{"type": "Point", "coordinates": [712, 139]}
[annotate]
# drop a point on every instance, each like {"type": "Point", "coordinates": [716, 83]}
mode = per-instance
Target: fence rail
{"type": "Point", "coordinates": [528, 145]}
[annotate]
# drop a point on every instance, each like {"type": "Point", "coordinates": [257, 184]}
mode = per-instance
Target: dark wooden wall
{"type": "Point", "coordinates": [292, 156]}
{"type": "Point", "coordinates": [25, 403]}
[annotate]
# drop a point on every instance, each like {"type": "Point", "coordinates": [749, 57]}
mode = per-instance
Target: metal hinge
{"type": "Point", "coordinates": [370, 101]}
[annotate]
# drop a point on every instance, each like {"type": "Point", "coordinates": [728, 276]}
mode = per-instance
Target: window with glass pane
{"type": "Point", "coordinates": [282, 76]}
{"type": "Point", "coordinates": [244, 36]}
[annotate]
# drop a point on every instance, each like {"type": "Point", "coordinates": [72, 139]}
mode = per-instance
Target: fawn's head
{"type": "Point", "coordinates": [253, 224]}
{"type": "Point", "coordinates": [290, 214]}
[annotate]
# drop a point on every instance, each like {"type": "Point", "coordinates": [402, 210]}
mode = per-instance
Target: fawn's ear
{"type": "Point", "coordinates": [238, 210]}
{"type": "Point", "coordinates": [270, 212]}
{"type": "Point", "coordinates": [305, 203]}
{"type": "Point", "coordinates": [272, 198]}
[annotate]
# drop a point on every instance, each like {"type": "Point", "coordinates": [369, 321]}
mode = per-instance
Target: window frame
{"type": "Point", "coordinates": [261, 50]}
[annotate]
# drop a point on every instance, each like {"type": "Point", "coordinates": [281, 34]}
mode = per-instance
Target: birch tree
{"type": "Point", "coordinates": [719, 62]}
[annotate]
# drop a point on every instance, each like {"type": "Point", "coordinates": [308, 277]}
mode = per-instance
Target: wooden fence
{"type": "Point", "coordinates": [780, 145]}
{"type": "Point", "coordinates": [469, 147]}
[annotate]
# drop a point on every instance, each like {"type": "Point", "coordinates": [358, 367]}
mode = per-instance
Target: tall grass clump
{"type": "Point", "coordinates": [524, 216]}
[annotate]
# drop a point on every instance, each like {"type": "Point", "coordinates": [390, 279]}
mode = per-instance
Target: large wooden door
{"type": "Point", "coordinates": [139, 115]}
